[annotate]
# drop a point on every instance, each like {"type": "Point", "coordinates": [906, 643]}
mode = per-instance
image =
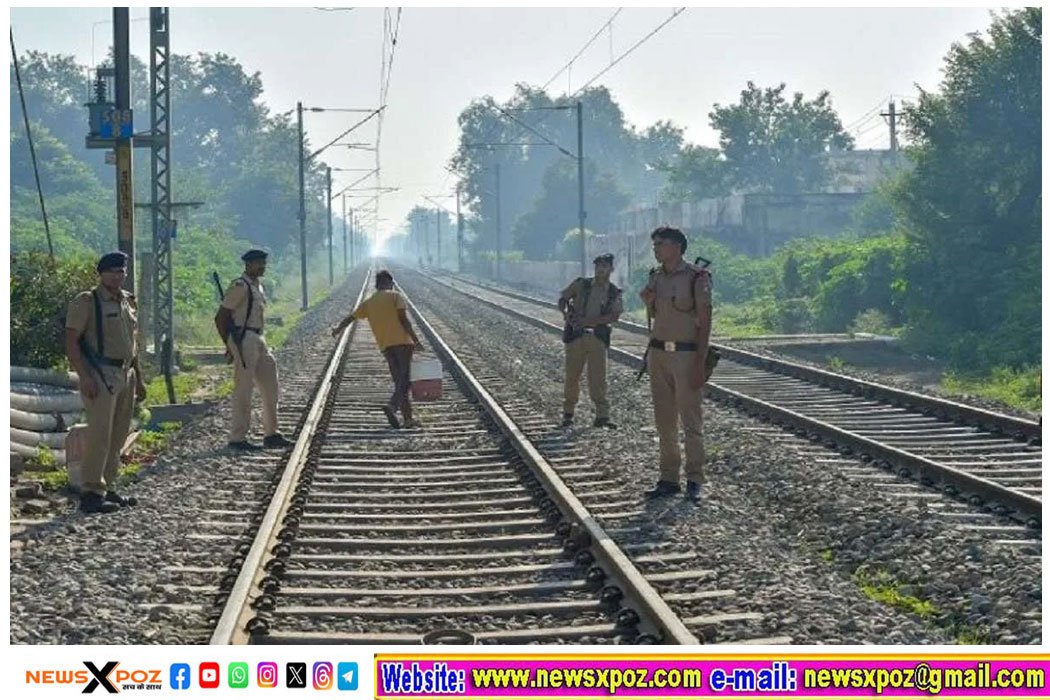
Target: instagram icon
{"type": "Point", "coordinates": [266, 675]}
{"type": "Point", "coordinates": [322, 675]}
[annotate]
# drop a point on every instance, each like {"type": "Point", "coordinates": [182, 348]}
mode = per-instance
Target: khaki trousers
{"type": "Point", "coordinates": [674, 400]}
{"type": "Point", "coordinates": [590, 351]}
{"type": "Point", "coordinates": [108, 421]}
{"type": "Point", "coordinates": [262, 370]}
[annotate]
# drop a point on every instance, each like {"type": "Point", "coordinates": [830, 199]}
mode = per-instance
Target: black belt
{"type": "Point", "coordinates": [110, 362]}
{"type": "Point", "coordinates": [672, 346]}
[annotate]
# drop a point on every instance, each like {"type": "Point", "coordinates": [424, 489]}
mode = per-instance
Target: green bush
{"type": "Point", "coordinates": [872, 321]}
{"type": "Point", "coordinates": [40, 295]}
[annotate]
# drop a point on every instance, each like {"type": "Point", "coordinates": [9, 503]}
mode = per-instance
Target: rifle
{"type": "Point", "coordinates": [92, 360]}
{"type": "Point", "coordinates": [649, 325]}
{"type": "Point", "coordinates": [238, 338]}
{"type": "Point", "coordinates": [85, 350]}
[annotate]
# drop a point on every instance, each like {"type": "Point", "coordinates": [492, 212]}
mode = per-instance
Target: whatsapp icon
{"type": "Point", "coordinates": [238, 674]}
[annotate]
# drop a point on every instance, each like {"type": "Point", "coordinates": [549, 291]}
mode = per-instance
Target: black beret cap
{"type": "Point", "coordinates": [255, 254]}
{"type": "Point", "coordinates": [112, 260]}
{"type": "Point", "coordinates": [606, 258]}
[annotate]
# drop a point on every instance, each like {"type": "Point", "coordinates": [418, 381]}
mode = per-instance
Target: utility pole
{"type": "Point", "coordinates": [499, 226]}
{"type": "Point", "coordinates": [302, 207]}
{"type": "Point", "coordinates": [160, 183]}
{"type": "Point", "coordinates": [579, 176]}
{"type": "Point", "coordinates": [892, 114]}
{"type": "Point", "coordinates": [345, 268]}
{"type": "Point", "coordinates": [122, 105]}
{"type": "Point", "coordinates": [353, 239]}
{"type": "Point", "coordinates": [459, 234]}
{"type": "Point", "coordinates": [331, 273]}
{"type": "Point", "coordinates": [437, 213]}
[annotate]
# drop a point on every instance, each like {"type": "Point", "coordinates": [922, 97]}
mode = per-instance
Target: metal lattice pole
{"type": "Point", "coordinates": [160, 178]}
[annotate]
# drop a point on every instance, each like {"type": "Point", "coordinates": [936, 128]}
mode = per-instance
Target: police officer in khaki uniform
{"type": "Point", "coordinates": [240, 322]}
{"type": "Point", "coordinates": [589, 305]}
{"type": "Point", "coordinates": [678, 298]}
{"type": "Point", "coordinates": [100, 342]}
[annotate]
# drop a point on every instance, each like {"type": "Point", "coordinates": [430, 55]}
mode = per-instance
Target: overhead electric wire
{"type": "Point", "coordinates": [32, 149]}
{"type": "Point", "coordinates": [629, 51]}
{"type": "Point", "coordinates": [585, 47]}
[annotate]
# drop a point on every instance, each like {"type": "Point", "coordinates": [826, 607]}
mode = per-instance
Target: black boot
{"type": "Point", "coordinates": [122, 501]}
{"type": "Point", "coordinates": [276, 441]}
{"type": "Point", "coordinates": [566, 420]}
{"type": "Point", "coordinates": [92, 502]}
{"type": "Point", "coordinates": [243, 446]}
{"type": "Point", "coordinates": [692, 491]}
{"type": "Point", "coordinates": [604, 423]}
{"type": "Point", "coordinates": [663, 488]}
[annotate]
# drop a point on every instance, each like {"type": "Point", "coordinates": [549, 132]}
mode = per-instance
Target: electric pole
{"type": "Point", "coordinates": [122, 107]}
{"type": "Point", "coordinates": [579, 176]}
{"type": "Point", "coordinates": [331, 273]}
{"type": "Point", "coordinates": [345, 268]}
{"type": "Point", "coordinates": [892, 114]}
{"type": "Point", "coordinates": [437, 213]}
{"type": "Point", "coordinates": [499, 225]}
{"type": "Point", "coordinates": [459, 234]}
{"type": "Point", "coordinates": [302, 207]}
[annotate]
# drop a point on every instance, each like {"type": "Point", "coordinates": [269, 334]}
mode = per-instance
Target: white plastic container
{"type": "Point", "coordinates": [76, 444]}
{"type": "Point", "coordinates": [425, 375]}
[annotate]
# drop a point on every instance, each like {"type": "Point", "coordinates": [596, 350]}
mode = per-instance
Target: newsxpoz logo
{"type": "Point", "coordinates": [110, 677]}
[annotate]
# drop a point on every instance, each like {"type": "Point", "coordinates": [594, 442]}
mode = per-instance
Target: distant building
{"type": "Point", "coordinates": [758, 223]}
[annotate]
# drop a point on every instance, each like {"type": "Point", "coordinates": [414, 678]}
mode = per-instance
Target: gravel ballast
{"type": "Point", "coordinates": [105, 579]}
{"type": "Point", "coordinates": [794, 537]}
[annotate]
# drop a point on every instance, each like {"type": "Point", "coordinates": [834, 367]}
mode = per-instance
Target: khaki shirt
{"type": "Point", "coordinates": [598, 296]}
{"type": "Point", "coordinates": [119, 321]}
{"type": "Point", "coordinates": [236, 300]}
{"type": "Point", "coordinates": [677, 317]}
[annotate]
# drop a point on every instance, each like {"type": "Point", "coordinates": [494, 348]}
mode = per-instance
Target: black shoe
{"type": "Point", "coordinates": [122, 501]}
{"type": "Point", "coordinates": [566, 420]}
{"type": "Point", "coordinates": [663, 488]}
{"type": "Point", "coordinates": [604, 423]}
{"type": "Point", "coordinates": [94, 503]}
{"type": "Point", "coordinates": [243, 446]}
{"type": "Point", "coordinates": [692, 491]}
{"type": "Point", "coordinates": [391, 417]}
{"type": "Point", "coordinates": [276, 441]}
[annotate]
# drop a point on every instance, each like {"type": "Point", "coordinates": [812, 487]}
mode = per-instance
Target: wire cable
{"type": "Point", "coordinates": [32, 149]}
{"type": "Point", "coordinates": [585, 47]}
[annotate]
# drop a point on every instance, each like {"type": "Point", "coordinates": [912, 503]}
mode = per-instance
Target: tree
{"type": "Point", "coordinates": [772, 145]}
{"type": "Point", "coordinates": [972, 203]}
{"type": "Point", "coordinates": [698, 173]}
{"type": "Point", "coordinates": [540, 231]}
{"type": "Point", "coordinates": [636, 160]}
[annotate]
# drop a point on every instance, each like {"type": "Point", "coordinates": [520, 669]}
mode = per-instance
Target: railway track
{"type": "Point", "coordinates": [464, 530]}
{"type": "Point", "coordinates": [989, 459]}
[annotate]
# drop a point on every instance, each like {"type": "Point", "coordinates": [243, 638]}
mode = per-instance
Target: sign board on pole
{"type": "Point", "coordinates": [116, 124]}
{"type": "Point", "coordinates": [111, 157]}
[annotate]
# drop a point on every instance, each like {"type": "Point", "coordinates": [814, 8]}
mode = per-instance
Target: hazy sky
{"type": "Point", "coordinates": [446, 57]}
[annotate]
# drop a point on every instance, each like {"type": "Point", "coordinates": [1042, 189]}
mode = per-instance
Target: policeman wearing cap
{"type": "Point", "coordinates": [101, 326]}
{"type": "Point", "coordinates": [589, 305]}
{"type": "Point", "coordinates": [240, 321]}
{"type": "Point", "coordinates": [678, 299]}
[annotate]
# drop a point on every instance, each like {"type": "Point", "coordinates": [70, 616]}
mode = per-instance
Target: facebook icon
{"type": "Point", "coordinates": [180, 676]}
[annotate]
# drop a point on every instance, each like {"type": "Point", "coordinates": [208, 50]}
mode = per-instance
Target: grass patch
{"type": "Point", "coordinates": [53, 480]}
{"type": "Point", "coordinates": [835, 364]}
{"type": "Point", "coordinates": [185, 383]}
{"type": "Point", "coordinates": [224, 389]}
{"type": "Point", "coordinates": [969, 634]}
{"type": "Point", "coordinates": [827, 555]}
{"type": "Point", "coordinates": [881, 587]}
{"type": "Point", "coordinates": [740, 320]}
{"type": "Point", "coordinates": [1015, 388]}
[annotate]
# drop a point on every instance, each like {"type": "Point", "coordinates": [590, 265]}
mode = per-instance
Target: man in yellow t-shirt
{"type": "Point", "coordinates": [386, 314]}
